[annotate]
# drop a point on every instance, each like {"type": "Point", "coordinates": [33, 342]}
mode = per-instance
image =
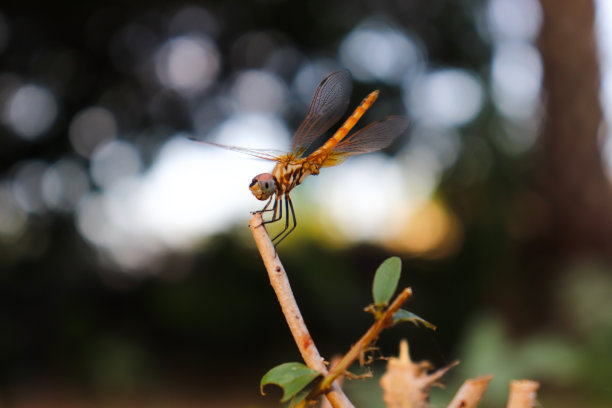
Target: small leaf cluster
{"type": "Point", "coordinates": [384, 286]}
{"type": "Point", "coordinates": [297, 380]}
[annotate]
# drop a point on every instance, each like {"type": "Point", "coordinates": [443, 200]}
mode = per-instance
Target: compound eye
{"type": "Point", "coordinates": [267, 186]}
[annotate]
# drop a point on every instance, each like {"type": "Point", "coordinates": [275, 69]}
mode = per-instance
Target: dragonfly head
{"type": "Point", "coordinates": [263, 186]}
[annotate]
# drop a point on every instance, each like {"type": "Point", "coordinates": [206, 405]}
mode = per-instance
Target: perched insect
{"type": "Point", "coordinates": [329, 103]}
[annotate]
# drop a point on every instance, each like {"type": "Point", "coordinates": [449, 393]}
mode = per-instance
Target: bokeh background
{"type": "Point", "coordinates": [128, 276]}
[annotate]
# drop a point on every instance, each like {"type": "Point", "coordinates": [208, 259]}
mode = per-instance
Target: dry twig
{"type": "Point", "coordinates": [280, 284]}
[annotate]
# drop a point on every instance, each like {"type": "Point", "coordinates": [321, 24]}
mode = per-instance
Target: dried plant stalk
{"type": "Point", "coordinates": [406, 384]}
{"type": "Point", "coordinates": [471, 392]}
{"type": "Point", "coordinates": [522, 393]}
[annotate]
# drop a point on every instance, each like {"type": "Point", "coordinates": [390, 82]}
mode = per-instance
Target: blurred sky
{"type": "Point", "coordinates": [131, 207]}
{"type": "Point", "coordinates": [185, 192]}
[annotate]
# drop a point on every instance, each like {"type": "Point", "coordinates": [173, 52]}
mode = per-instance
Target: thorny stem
{"type": "Point", "coordinates": [385, 321]}
{"type": "Point", "coordinates": [280, 284]}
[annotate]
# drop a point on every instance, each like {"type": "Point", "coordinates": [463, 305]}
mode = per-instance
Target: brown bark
{"type": "Point", "coordinates": [571, 177]}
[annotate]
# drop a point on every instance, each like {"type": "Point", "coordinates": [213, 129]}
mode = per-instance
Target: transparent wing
{"type": "Point", "coordinates": [327, 107]}
{"type": "Point", "coordinates": [265, 154]}
{"type": "Point", "coordinates": [371, 138]}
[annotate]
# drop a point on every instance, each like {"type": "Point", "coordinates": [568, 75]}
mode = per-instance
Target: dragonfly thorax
{"type": "Point", "coordinates": [263, 186]}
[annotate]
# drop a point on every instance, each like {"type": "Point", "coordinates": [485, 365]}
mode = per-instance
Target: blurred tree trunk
{"type": "Point", "coordinates": [571, 176]}
{"type": "Point", "coordinates": [575, 218]}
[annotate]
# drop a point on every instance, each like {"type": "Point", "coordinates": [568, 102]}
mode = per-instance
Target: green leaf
{"type": "Point", "coordinates": [406, 316]}
{"type": "Point", "coordinates": [291, 377]}
{"type": "Point", "coordinates": [300, 396]}
{"type": "Point", "coordinates": [385, 280]}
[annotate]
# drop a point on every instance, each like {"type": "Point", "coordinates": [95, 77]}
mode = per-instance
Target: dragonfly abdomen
{"type": "Point", "coordinates": [347, 125]}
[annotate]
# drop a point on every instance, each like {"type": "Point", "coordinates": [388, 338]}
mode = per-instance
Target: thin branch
{"type": "Point", "coordinates": [471, 392]}
{"type": "Point", "coordinates": [282, 288]}
{"type": "Point", "coordinates": [385, 321]}
{"type": "Point", "coordinates": [334, 362]}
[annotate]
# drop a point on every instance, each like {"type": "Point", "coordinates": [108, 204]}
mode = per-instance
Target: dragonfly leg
{"type": "Point", "coordinates": [278, 212]}
{"type": "Point", "coordinates": [286, 219]}
{"type": "Point", "coordinates": [286, 231]}
{"type": "Point", "coordinates": [266, 209]}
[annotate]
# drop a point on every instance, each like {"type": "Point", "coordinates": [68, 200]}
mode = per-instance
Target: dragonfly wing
{"type": "Point", "coordinates": [371, 138]}
{"type": "Point", "coordinates": [327, 107]}
{"type": "Point", "coordinates": [265, 154]}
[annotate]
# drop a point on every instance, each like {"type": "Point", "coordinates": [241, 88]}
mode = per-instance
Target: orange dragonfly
{"type": "Point", "coordinates": [329, 103]}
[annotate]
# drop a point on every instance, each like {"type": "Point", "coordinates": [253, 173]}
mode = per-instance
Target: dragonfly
{"type": "Point", "coordinates": [330, 102]}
